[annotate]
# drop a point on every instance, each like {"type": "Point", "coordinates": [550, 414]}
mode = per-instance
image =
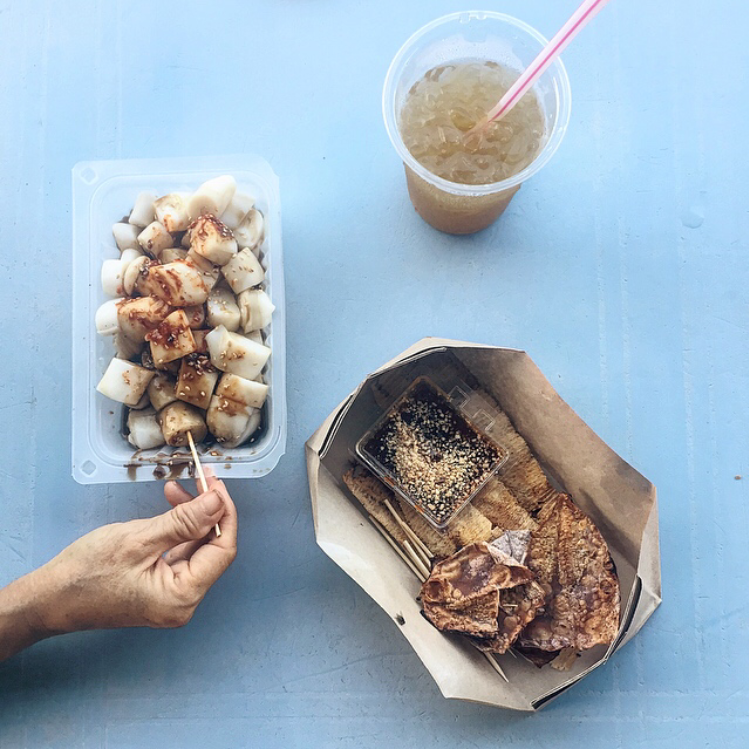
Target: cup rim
{"type": "Point", "coordinates": [544, 156]}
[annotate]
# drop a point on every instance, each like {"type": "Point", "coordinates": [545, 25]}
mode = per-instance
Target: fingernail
{"type": "Point", "coordinates": [211, 503]}
{"type": "Point", "coordinates": [208, 471]}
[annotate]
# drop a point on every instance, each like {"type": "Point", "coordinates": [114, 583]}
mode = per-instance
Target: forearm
{"type": "Point", "coordinates": [20, 621]}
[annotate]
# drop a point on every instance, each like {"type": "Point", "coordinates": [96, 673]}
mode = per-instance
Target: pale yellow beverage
{"type": "Point", "coordinates": [439, 112]}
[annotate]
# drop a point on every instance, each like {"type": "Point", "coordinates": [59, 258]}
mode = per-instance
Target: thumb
{"type": "Point", "coordinates": [189, 521]}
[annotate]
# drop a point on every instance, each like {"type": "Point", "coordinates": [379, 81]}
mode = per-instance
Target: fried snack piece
{"type": "Point", "coordinates": [568, 554]}
{"type": "Point", "coordinates": [475, 616]}
{"type": "Point", "coordinates": [521, 473]}
{"type": "Point", "coordinates": [371, 493]}
{"type": "Point", "coordinates": [440, 544]}
{"type": "Point", "coordinates": [477, 592]}
{"type": "Point", "coordinates": [517, 607]}
{"type": "Point", "coordinates": [469, 526]}
{"type": "Point", "coordinates": [497, 503]}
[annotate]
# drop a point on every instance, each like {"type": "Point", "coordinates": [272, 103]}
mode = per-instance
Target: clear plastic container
{"type": "Point", "coordinates": [104, 192]}
{"type": "Point", "coordinates": [475, 427]}
{"type": "Point", "coordinates": [471, 35]}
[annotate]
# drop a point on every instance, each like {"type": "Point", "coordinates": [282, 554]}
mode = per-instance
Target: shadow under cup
{"type": "Point", "coordinates": [471, 35]}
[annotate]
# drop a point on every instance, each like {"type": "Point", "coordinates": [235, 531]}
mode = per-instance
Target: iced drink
{"type": "Point", "coordinates": [440, 85]}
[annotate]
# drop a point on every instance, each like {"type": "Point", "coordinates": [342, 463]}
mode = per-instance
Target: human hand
{"type": "Point", "coordinates": [151, 572]}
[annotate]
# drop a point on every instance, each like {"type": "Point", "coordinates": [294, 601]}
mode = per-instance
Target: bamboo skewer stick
{"type": "Point", "coordinates": [424, 556]}
{"type": "Point", "coordinates": [397, 549]}
{"type": "Point", "coordinates": [416, 560]}
{"type": "Point", "coordinates": [201, 474]}
{"type": "Point", "coordinates": [409, 532]}
{"type": "Point", "coordinates": [489, 657]}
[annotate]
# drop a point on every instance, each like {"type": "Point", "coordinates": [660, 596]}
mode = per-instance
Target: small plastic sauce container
{"type": "Point", "coordinates": [447, 440]}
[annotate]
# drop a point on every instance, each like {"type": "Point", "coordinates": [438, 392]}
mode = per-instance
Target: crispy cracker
{"type": "Point", "coordinates": [497, 503]}
{"type": "Point", "coordinates": [469, 526]}
{"type": "Point", "coordinates": [477, 617]}
{"type": "Point", "coordinates": [371, 493]}
{"type": "Point", "coordinates": [570, 558]}
{"type": "Point", "coordinates": [521, 473]}
{"type": "Point", "coordinates": [440, 544]}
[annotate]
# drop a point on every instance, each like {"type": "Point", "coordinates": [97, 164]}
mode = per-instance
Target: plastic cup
{"type": "Point", "coordinates": [472, 35]}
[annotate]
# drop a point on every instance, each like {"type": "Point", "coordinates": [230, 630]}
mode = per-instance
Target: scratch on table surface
{"type": "Point", "coordinates": [334, 669]}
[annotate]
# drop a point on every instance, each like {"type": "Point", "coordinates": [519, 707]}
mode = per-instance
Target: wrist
{"type": "Point", "coordinates": [23, 606]}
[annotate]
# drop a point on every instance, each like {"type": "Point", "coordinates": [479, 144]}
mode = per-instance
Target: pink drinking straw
{"type": "Point", "coordinates": [564, 36]}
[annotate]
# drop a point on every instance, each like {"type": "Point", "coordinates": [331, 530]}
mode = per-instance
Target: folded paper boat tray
{"type": "Point", "coordinates": [620, 501]}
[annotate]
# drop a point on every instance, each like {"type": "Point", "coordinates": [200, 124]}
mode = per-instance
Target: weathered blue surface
{"type": "Point", "coordinates": [622, 269]}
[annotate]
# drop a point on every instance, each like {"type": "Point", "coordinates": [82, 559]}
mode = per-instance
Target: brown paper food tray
{"type": "Point", "coordinates": [619, 500]}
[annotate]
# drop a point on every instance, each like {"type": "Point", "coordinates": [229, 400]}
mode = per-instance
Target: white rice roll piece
{"type": "Point", "coordinates": [201, 347]}
{"type": "Point", "coordinates": [162, 390]}
{"type": "Point", "coordinates": [227, 420]}
{"type": "Point", "coordinates": [136, 317]}
{"type": "Point", "coordinates": [256, 310]}
{"type": "Point", "coordinates": [240, 206]}
{"type": "Point", "coordinates": [130, 255]}
{"type": "Point", "coordinates": [207, 269]}
{"type": "Point", "coordinates": [212, 239]}
{"type": "Point", "coordinates": [154, 238]}
{"type": "Point", "coordinates": [251, 428]}
{"type": "Point", "coordinates": [195, 316]}
{"type": "Point", "coordinates": [143, 402]}
{"type": "Point", "coordinates": [111, 277]}
{"type": "Point", "coordinates": [124, 381]}
{"type": "Point", "coordinates": [248, 392]}
{"type": "Point", "coordinates": [113, 272]}
{"type": "Point", "coordinates": [144, 428]}
{"type": "Point", "coordinates": [251, 230]}
{"type": "Point", "coordinates": [231, 352]}
{"type": "Point", "coordinates": [172, 339]}
{"type": "Point", "coordinates": [126, 236]}
{"type": "Point", "coordinates": [253, 422]}
{"type": "Point", "coordinates": [256, 335]}
{"type": "Point", "coordinates": [106, 318]}
{"type": "Point", "coordinates": [243, 271]}
{"type": "Point", "coordinates": [134, 279]}
{"type": "Point", "coordinates": [222, 309]}
{"type": "Point", "coordinates": [170, 254]}
{"type": "Point", "coordinates": [197, 380]}
{"type": "Point", "coordinates": [126, 348]}
{"type": "Point", "coordinates": [177, 419]}
{"type": "Point", "coordinates": [179, 283]}
{"type": "Point", "coordinates": [143, 213]}
{"type": "Point", "coordinates": [212, 197]}
{"type": "Point", "coordinates": [171, 211]}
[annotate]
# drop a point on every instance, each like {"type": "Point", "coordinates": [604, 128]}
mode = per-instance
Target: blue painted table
{"type": "Point", "coordinates": [620, 268]}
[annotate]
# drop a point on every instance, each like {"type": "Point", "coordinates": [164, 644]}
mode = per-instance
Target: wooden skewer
{"type": "Point", "coordinates": [416, 560]}
{"type": "Point", "coordinates": [201, 475]}
{"type": "Point", "coordinates": [496, 666]}
{"type": "Point", "coordinates": [397, 549]}
{"type": "Point", "coordinates": [410, 532]}
{"type": "Point", "coordinates": [422, 551]}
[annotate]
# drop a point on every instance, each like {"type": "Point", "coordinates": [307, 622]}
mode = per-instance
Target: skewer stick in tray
{"type": "Point", "coordinates": [201, 475]}
{"type": "Point", "coordinates": [409, 555]}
